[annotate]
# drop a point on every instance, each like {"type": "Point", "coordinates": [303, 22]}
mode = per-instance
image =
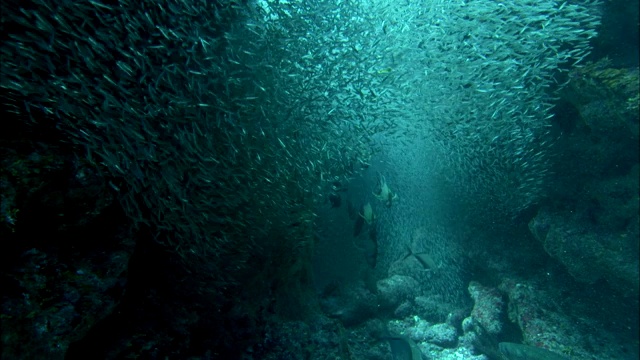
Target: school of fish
{"type": "Point", "coordinates": [222, 125]}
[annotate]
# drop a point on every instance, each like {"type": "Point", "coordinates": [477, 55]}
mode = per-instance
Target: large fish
{"type": "Point", "coordinates": [403, 348]}
{"type": "Point", "coordinates": [513, 351]}
{"type": "Point", "coordinates": [423, 258]}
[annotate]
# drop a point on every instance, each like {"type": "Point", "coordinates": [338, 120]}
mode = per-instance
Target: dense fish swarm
{"type": "Point", "coordinates": [221, 124]}
{"type": "Point", "coordinates": [478, 82]}
{"type": "Point", "coordinates": [480, 78]}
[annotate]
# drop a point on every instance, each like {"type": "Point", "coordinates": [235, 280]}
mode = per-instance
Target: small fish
{"type": "Point", "coordinates": [423, 258]}
{"type": "Point", "coordinates": [383, 193]}
{"type": "Point", "coordinates": [367, 213]}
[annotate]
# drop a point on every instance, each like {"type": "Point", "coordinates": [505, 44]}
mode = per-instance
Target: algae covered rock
{"type": "Point", "coordinates": [394, 290]}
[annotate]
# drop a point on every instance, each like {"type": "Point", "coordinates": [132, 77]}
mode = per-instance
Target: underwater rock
{"type": "Point", "coordinates": [56, 297]}
{"type": "Point", "coordinates": [538, 319]}
{"type": "Point", "coordinates": [588, 253]}
{"type": "Point", "coordinates": [435, 308]}
{"type": "Point", "coordinates": [474, 337]}
{"type": "Point", "coordinates": [404, 310]}
{"type": "Point", "coordinates": [65, 250]}
{"type": "Point", "coordinates": [606, 98]}
{"type": "Point", "coordinates": [351, 305]}
{"type": "Point", "coordinates": [545, 324]}
{"type": "Point", "coordinates": [489, 307]}
{"type": "Point", "coordinates": [443, 335]}
{"type": "Point", "coordinates": [592, 225]}
{"type": "Point", "coordinates": [395, 290]}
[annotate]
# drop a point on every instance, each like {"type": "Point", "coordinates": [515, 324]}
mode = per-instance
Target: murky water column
{"type": "Point", "coordinates": [421, 220]}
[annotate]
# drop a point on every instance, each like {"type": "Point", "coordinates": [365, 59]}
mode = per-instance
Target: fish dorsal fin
{"type": "Point", "coordinates": [409, 253]}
